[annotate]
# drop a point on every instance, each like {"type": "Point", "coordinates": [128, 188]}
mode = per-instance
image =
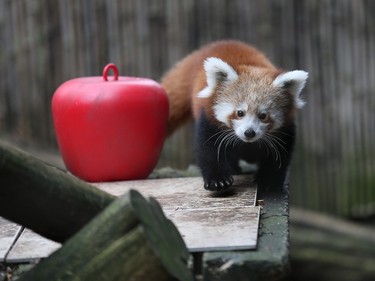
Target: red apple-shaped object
{"type": "Point", "coordinates": [110, 129]}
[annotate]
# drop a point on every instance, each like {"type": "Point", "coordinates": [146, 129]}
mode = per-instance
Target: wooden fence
{"type": "Point", "coordinates": [44, 43]}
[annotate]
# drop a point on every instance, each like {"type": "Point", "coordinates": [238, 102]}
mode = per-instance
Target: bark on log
{"type": "Point", "coordinates": [44, 198]}
{"type": "Point", "coordinates": [130, 240]}
{"type": "Point", "coordinates": [327, 248]}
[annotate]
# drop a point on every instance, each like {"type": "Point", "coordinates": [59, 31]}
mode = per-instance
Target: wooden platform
{"type": "Point", "coordinates": [215, 227]}
{"type": "Point", "coordinates": [206, 220]}
{"type": "Point", "coordinates": [20, 245]}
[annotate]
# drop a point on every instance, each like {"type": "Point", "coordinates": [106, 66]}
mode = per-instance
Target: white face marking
{"type": "Point", "coordinates": [262, 108]}
{"type": "Point", "coordinates": [222, 111]}
{"type": "Point", "coordinates": [248, 122]}
{"type": "Point", "coordinates": [277, 118]}
{"type": "Point", "coordinates": [243, 107]}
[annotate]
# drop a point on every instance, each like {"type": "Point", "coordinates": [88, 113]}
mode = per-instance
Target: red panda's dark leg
{"type": "Point", "coordinates": [212, 158]}
{"type": "Point", "coordinates": [274, 168]}
{"type": "Point", "coordinates": [271, 176]}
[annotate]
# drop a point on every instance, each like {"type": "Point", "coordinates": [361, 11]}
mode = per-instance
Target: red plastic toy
{"type": "Point", "coordinates": [110, 129]}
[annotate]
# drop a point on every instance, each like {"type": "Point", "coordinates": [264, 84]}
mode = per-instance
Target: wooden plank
{"type": "Point", "coordinates": [212, 229]}
{"type": "Point", "coordinates": [187, 192]}
{"type": "Point", "coordinates": [31, 246]}
{"type": "Point", "coordinates": [205, 220]}
{"type": "Point", "coordinates": [271, 259]}
{"type": "Point", "coordinates": [8, 233]}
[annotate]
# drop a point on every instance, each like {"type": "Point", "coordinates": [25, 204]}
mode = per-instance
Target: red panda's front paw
{"type": "Point", "coordinates": [218, 184]}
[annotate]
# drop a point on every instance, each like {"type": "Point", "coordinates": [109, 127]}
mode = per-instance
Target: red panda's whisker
{"type": "Point", "coordinates": [274, 147]}
{"type": "Point", "coordinates": [223, 139]}
{"type": "Point", "coordinates": [222, 135]}
{"type": "Point", "coordinates": [218, 133]}
{"type": "Point", "coordinates": [235, 140]}
{"type": "Point", "coordinates": [232, 140]}
{"type": "Point", "coordinates": [270, 145]}
{"type": "Point", "coordinates": [281, 132]}
{"type": "Point", "coordinates": [228, 141]}
{"type": "Point", "coordinates": [263, 142]}
{"type": "Point", "coordinates": [278, 141]}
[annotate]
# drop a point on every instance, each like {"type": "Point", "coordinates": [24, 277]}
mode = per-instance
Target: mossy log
{"type": "Point", "coordinates": [328, 248]}
{"type": "Point", "coordinates": [44, 198]}
{"type": "Point", "coordinates": [130, 240]}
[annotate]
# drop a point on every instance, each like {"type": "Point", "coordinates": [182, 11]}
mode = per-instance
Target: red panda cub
{"type": "Point", "coordinates": [244, 109]}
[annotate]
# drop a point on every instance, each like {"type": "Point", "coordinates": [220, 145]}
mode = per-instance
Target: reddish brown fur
{"type": "Point", "coordinates": [187, 77]}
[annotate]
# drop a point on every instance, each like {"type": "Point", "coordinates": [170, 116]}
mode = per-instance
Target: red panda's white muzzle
{"type": "Point", "coordinates": [248, 129]}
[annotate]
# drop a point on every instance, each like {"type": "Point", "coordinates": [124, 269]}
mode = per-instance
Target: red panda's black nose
{"type": "Point", "coordinates": [250, 133]}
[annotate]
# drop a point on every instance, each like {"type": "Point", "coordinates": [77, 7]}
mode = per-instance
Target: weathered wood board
{"type": "Point", "coordinates": [207, 221]}
{"type": "Point", "coordinates": [31, 246]}
{"type": "Point", "coordinates": [8, 234]}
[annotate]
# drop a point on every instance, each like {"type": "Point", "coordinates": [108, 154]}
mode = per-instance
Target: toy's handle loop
{"type": "Point", "coordinates": [113, 67]}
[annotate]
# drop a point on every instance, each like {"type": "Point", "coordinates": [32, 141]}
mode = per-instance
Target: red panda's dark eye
{"type": "Point", "coordinates": [262, 116]}
{"type": "Point", "coordinates": [240, 113]}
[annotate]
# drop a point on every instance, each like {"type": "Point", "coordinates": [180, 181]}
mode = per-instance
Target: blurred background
{"type": "Point", "coordinates": [44, 43]}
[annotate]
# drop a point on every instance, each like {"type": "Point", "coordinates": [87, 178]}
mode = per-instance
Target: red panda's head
{"type": "Point", "coordinates": [252, 101]}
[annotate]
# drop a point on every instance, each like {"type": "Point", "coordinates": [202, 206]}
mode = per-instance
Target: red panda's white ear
{"type": "Point", "coordinates": [294, 81]}
{"type": "Point", "coordinates": [217, 72]}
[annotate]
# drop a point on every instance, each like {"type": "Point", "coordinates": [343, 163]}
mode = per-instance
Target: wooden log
{"type": "Point", "coordinates": [328, 248]}
{"type": "Point", "coordinates": [130, 240]}
{"type": "Point", "coordinates": [43, 198]}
